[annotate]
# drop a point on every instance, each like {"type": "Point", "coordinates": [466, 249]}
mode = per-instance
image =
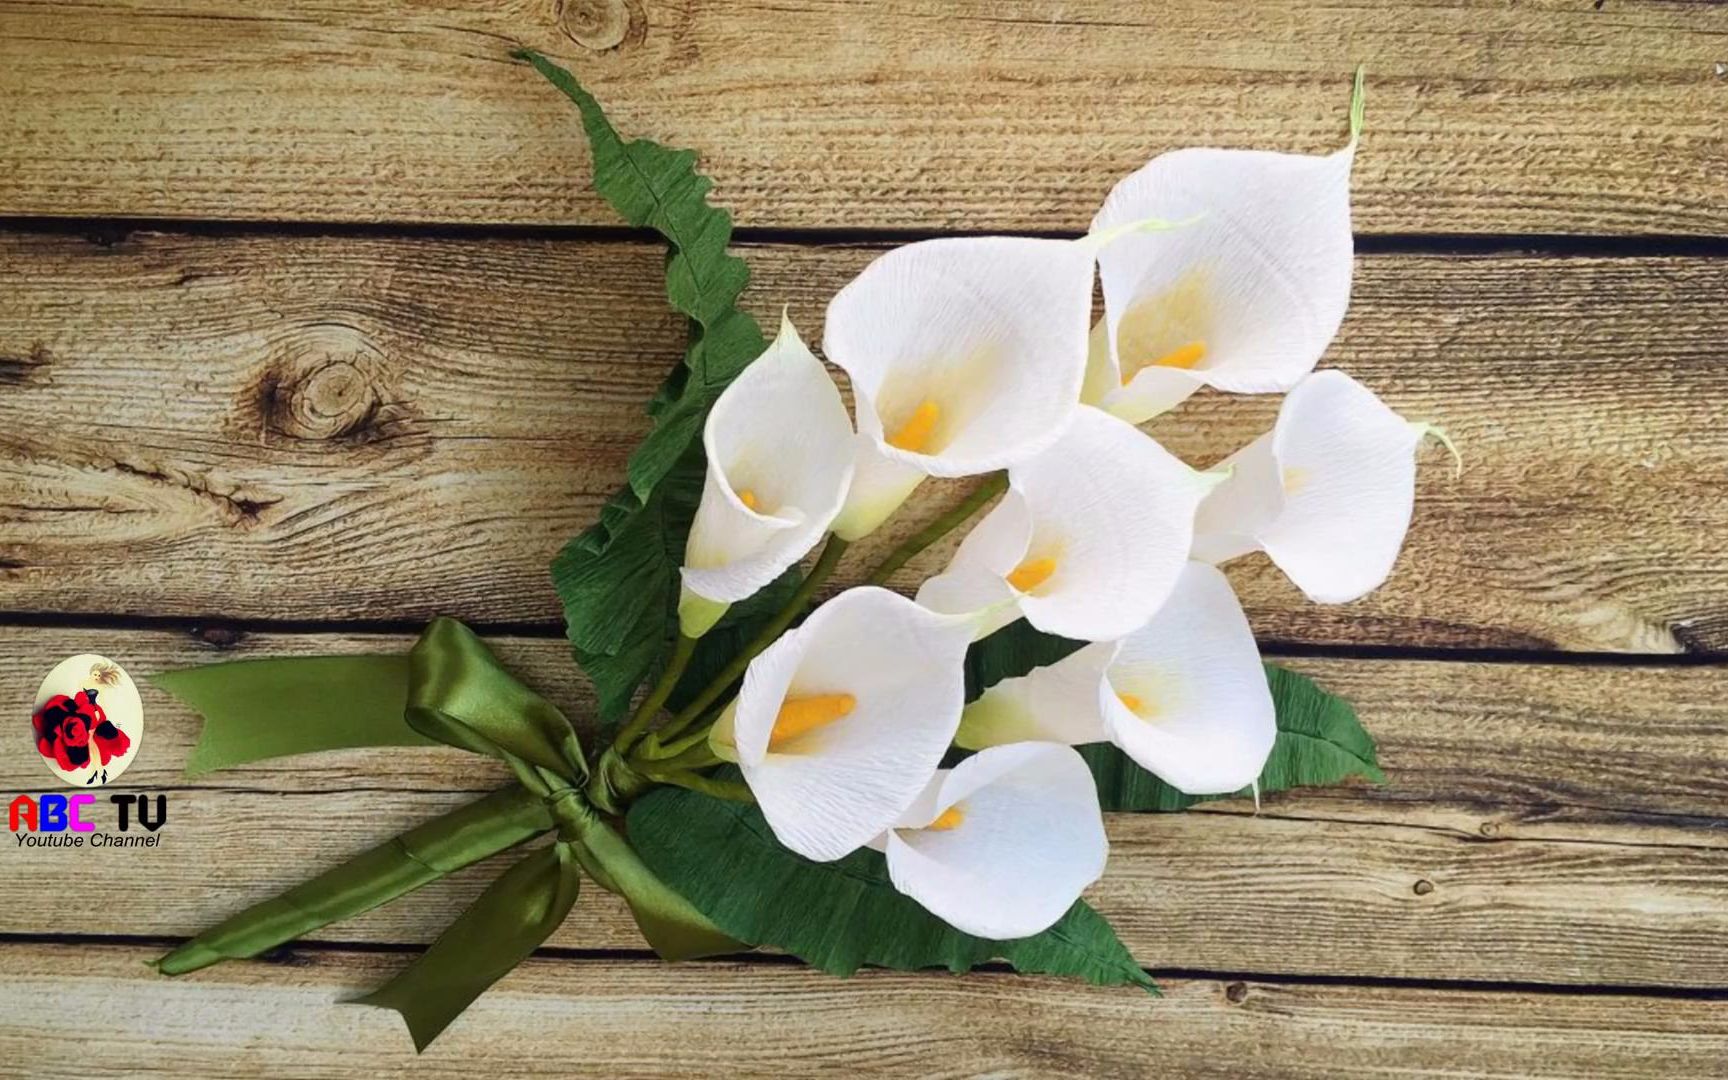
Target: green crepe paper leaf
{"type": "Point", "coordinates": [843, 915]}
{"type": "Point", "coordinates": [618, 580]}
{"type": "Point", "coordinates": [618, 675]}
{"type": "Point", "coordinates": [1320, 741]}
{"type": "Point", "coordinates": [638, 577]}
{"type": "Point", "coordinates": [1011, 652]}
{"type": "Point", "coordinates": [741, 623]}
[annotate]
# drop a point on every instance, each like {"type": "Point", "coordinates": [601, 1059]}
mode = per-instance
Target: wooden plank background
{"type": "Point", "coordinates": [451, 410]}
{"type": "Point", "coordinates": [310, 330]}
{"type": "Point", "coordinates": [1539, 117]}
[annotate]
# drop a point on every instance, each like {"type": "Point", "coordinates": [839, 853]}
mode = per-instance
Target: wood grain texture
{"type": "Point", "coordinates": [1575, 818]}
{"type": "Point", "coordinates": [561, 1017]}
{"type": "Point", "coordinates": [230, 425]}
{"type": "Point", "coordinates": [1209, 892]}
{"type": "Point", "coordinates": [1499, 750]}
{"type": "Point", "coordinates": [1543, 117]}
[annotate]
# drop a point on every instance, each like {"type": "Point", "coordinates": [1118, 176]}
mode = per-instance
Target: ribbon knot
{"type": "Point", "coordinates": [615, 784]}
{"type": "Point", "coordinates": [449, 689]}
{"type": "Point", "coordinates": [572, 816]}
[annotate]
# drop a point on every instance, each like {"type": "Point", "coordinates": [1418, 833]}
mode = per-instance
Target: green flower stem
{"type": "Point", "coordinates": [652, 750]}
{"type": "Point", "coordinates": [730, 790]}
{"type": "Point", "coordinates": [665, 744]}
{"type": "Point", "coordinates": [992, 486]}
{"type": "Point", "coordinates": [787, 615]}
{"type": "Point", "coordinates": [690, 757]}
{"type": "Point", "coordinates": [651, 705]}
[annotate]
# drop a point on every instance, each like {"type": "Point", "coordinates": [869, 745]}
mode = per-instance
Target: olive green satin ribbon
{"type": "Point", "coordinates": [449, 689]}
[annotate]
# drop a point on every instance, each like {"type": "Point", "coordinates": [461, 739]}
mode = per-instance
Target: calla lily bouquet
{"type": "Point", "coordinates": [881, 779]}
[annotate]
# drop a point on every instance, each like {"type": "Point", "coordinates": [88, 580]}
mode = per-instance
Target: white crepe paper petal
{"type": "Point", "coordinates": [1349, 468]}
{"type": "Point", "coordinates": [1055, 703]}
{"type": "Point", "coordinates": [779, 437]}
{"type": "Point", "coordinates": [1186, 695]}
{"type": "Point", "coordinates": [827, 792]}
{"type": "Point", "coordinates": [1231, 518]}
{"type": "Point", "coordinates": [987, 333]}
{"type": "Point", "coordinates": [879, 485]}
{"type": "Point", "coordinates": [1327, 494]}
{"type": "Point", "coordinates": [976, 578]}
{"type": "Point", "coordinates": [1111, 523]}
{"type": "Point", "coordinates": [1153, 391]}
{"type": "Point", "coordinates": [1028, 840]}
{"type": "Point", "coordinates": [1245, 298]}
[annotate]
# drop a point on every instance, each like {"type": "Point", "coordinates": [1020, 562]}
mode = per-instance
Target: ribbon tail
{"type": "Point", "coordinates": [499, 930]}
{"type": "Point", "coordinates": [670, 924]}
{"type": "Point", "coordinates": [398, 866]}
{"type": "Point", "coordinates": [257, 709]}
{"type": "Point", "coordinates": [459, 694]}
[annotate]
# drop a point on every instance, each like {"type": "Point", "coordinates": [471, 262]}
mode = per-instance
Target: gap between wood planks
{"type": "Point", "coordinates": [113, 230]}
{"type": "Point", "coordinates": [221, 634]}
{"type": "Point", "coordinates": [1272, 812]}
{"type": "Point", "coordinates": [286, 955]}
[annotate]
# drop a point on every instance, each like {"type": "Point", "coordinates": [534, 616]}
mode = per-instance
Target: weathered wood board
{"type": "Point", "coordinates": [228, 425]}
{"type": "Point", "coordinates": [310, 329]}
{"type": "Point", "coordinates": [1559, 813]}
{"type": "Point", "coordinates": [1555, 116]}
{"type": "Point", "coordinates": [628, 1018]}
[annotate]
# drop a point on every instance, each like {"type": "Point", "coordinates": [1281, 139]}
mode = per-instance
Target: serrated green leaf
{"type": "Point", "coordinates": [637, 577]}
{"type": "Point", "coordinates": [843, 915]}
{"type": "Point", "coordinates": [1320, 742]}
{"type": "Point", "coordinates": [618, 580]}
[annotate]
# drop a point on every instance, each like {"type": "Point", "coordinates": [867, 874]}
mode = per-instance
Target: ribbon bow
{"type": "Point", "coordinates": [449, 689]}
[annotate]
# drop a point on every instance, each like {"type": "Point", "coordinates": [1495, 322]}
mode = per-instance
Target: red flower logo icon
{"type": "Point", "coordinates": [69, 729]}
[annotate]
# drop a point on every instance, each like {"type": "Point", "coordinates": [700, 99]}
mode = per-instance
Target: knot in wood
{"type": "Point", "coordinates": [328, 388]}
{"type": "Point", "coordinates": [599, 24]}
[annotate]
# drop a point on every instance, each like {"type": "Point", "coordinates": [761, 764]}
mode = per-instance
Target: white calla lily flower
{"type": "Point", "coordinates": [1327, 493]}
{"type": "Point", "coordinates": [966, 356]}
{"type": "Point", "coordinates": [1086, 543]}
{"type": "Point", "coordinates": [780, 455]}
{"type": "Point", "coordinates": [1245, 298]}
{"type": "Point", "coordinates": [1185, 696]}
{"type": "Point", "coordinates": [841, 722]}
{"type": "Point", "coordinates": [1003, 844]}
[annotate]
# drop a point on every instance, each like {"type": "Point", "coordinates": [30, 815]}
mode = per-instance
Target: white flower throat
{"type": "Point", "coordinates": [802, 714]}
{"type": "Point", "coordinates": [1168, 329]}
{"type": "Point", "coordinates": [927, 406]}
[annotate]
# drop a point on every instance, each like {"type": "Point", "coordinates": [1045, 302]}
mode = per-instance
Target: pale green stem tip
{"type": "Point", "coordinates": [1217, 475]}
{"type": "Point", "coordinates": [1358, 104]}
{"type": "Point", "coordinates": [1105, 237]}
{"type": "Point", "coordinates": [1439, 435]}
{"type": "Point", "coordinates": [722, 738]}
{"type": "Point", "coordinates": [698, 614]}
